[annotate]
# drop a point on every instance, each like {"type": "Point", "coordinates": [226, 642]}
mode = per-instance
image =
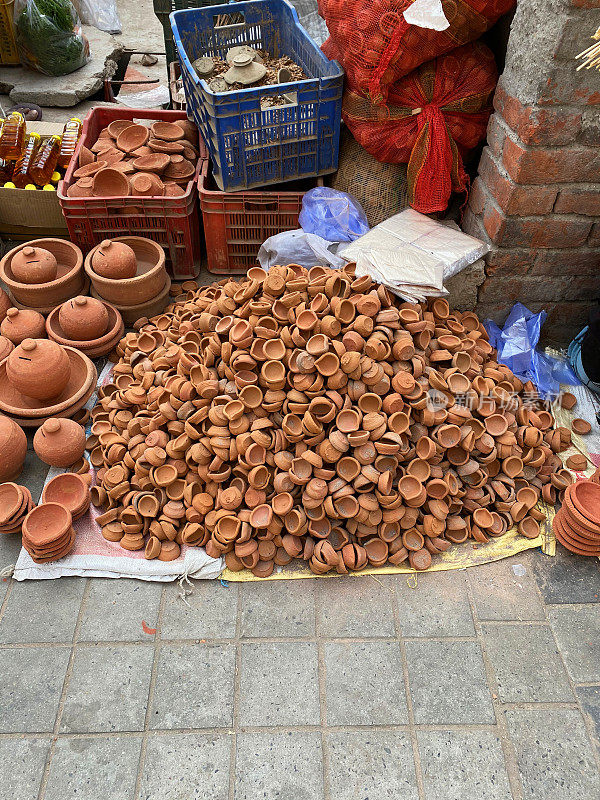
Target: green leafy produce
{"type": "Point", "coordinates": [48, 37]}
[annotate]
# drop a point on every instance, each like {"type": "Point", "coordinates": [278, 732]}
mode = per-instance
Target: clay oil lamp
{"type": "Point", "coordinates": [110, 182]}
{"type": "Point", "coordinates": [13, 449]}
{"type": "Point", "coordinates": [47, 532]}
{"type": "Point", "coordinates": [59, 442]}
{"type": "Point", "coordinates": [19, 325]}
{"type": "Point", "coordinates": [132, 137]}
{"type": "Point", "coordinates": [568, 401]}
{"type": "Point", "coordinates": [15, 503]}
{"type": "Point", "coordinates": [69, 490]}
{"type": "Point", "coordinates": [581, 426]}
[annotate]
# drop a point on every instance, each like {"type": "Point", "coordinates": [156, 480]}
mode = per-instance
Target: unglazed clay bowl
{"type": "Point", "coordinates": [46, 524]}
{"type": "Point", "coordinates": [151, 308]}
{"type": "Point", "coordinates": [585, 496]}
{"type": "Point", "coordinates": [94, 347]}
{"type": "Point", "coordinates": [69, 490]}
{"type": "Point", "coordinates": [68, 281]}
{"type": "Point", "coordinates": [145, 286]}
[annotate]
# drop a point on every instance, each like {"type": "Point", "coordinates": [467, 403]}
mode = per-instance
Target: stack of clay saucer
{"type": "Point", "coordinates": [48, 532]}
{"type": "Point", "coordinates": [15, 504]}
{"type": "Point", "coordinates": [70, 491]}
{"type": "Point", "coordinates": [577, 524]}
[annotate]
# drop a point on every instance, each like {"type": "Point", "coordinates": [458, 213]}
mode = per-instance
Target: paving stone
{"type": "Point", "coordinates": [115, 610]}
{"type": "Point", "coordinates": [371, 764]}
{"type": "Point", "coordinates": [22, 764]}
{"type": "Point", "coordinates": [589, 697]}
{"type": "Point", "coordinates": [500, 594]}
{"type": "Point", "coordinates": [42, 611]}
{"type": "Point", "coordinates": [439, 606]}
{"type": "Point", "coordinates": [279, 684]}
{"type": "Point", "coordinates": [30, 687]}
{"type": "Point", "coordinates": [448, 683]}
{"type": "Point", "coordinates": [280, 766]}
{"type": "Point", "coordinates": [108, 689]}
{"type": "Point", "coordinates": [194, 687]}
{"type": "Point", "coordinates": [527, 664]}
{"type": "Point", "coordinates": [187, 766]}
{"type": "Point", "coordinates": [87, 768]}
{"type": "Point", "coordinates": [460, 765]}
{"type": "Point", "coordinates": [4, 584]}
{"type": "Point", "coordinates": [365, 684]}
{"type": "Point", "coordinates": [577, 631]}
{"type": "Point", "coordinates": [568, 578]}
{"type": "Point", "coordinates": [360, 606]}
{"type": "Point", "coordinates": [554, 755]}
{"type": "Point", "coordinates": [268, 611]}
{"type": "Point", "coordinates": [210, 614]}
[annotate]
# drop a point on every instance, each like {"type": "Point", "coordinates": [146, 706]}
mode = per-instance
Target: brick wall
{"type": "Point", "coordinates": [537, 195]}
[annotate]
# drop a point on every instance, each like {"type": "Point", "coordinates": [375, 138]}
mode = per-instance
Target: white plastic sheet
{"type": "Point", "coordinates": [427, 14]}
{"type": "Point", "coordinates": [298, 247]}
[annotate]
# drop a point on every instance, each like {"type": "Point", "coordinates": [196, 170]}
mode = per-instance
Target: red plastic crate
{"type": "Point", "coordinates": [237, 223]}
{"type": "Point", "coordinates": [173, 222]}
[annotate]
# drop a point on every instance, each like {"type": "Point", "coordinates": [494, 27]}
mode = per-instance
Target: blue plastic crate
{"type": "Point", "coordinates": [251, 145]}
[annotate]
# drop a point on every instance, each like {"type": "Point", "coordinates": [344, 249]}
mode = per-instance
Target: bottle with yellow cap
{"type": "Point", "coordinates": [70, 137]}
{"type": "Point", "coordinates": [49, 188]}
{"type": "Point", "coordinates": [45, 161]}
{"type": "Point", "coordinates": [55, 177]}
{"type": "Point", "coordinates": [12, 136]}
{"type": "Point", "coordinates": [20, 176]}
{"type": "Point", "coordinates": [6, 170]}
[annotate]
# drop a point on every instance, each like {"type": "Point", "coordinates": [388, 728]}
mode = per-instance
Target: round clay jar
{"type": "Point", "coordinates": [59, 442]}
{"type": "Point", "coordinates": [19, 325]}
{"type": "Point", "coordinates": [115, 260]}
{"type": "Point", "coordinates": [34, 265]}
{"type": "Point", "coordinates": [5, 304]}
{"type": "Point", "coordinates": [38, 368]}
{"type": "Point", "coordinates": [83, 319]}
{"type": "Point", "coordinates": [13, 448]}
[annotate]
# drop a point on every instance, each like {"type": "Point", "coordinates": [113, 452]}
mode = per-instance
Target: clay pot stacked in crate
{"type": "Point", "coordinates": [43, 273]}
{"type": "Point", "coordinates": [129, 272]}
{"type": "Point", "coordinates": [310, 414]}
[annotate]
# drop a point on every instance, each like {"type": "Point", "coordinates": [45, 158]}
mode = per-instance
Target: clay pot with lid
{"type": "Point", "coordinates": [145, 285]}
{"type": "Point", "coordinates": [83, 318]}
{"type": "Point", "coordinates": [38, 368]}
{"type": "Point", "coordinates": [13, 449]}
{"type": "Point", "coordinates": [6, 346]}
{"type": "Point", "coordinates": [34, 265]}
{"type": "Point", "coordinates": [69, 278]}
{"type": "Point", "coordinates": [114, 260]}
{"type": "Point", "coordinates": [21, 324]}
{"type": "Point", "coordinates": [59, 442]}
{"type": "Point", "coordinates": [5, 303]}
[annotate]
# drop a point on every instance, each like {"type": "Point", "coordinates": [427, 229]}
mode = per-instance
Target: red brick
{"type": "Point", "coordinates": [472, 224]}
{"type": "Point", "coordinates": [477, 196]}
{"type": "Point", "coordinates": [527, 289]}
{"type": "Point", "coordinates": [594, 238]}
{"type": "Point", "coordinates": [582, 287]}
{"type": "Point", "coordinates": [586, 3]}
{"type": "Point", "coordinates": [570, 314]}
{"type": "Point", "coordinates": [508, 261]}
{"type": "Point", "coordinates": [581, 261]}
{"type": "Point", "coordinates": [494, 222]}
{"type": "Point", "coordinates": [527, 165]}
{"type": "Point", "coordinates": [578, 201]}
{"type": "Point", "coordinates": [551, 231]}
{"type": "Point", "coordinates": [535, 125]}
{"type": "Point", "coordinates": [514, 199]}
{"type": "Point", "coordinates": [496, 134]}
{"type": "Point", "coordinates": [566, 86]}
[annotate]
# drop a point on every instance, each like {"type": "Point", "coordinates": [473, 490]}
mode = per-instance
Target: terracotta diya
{"type": "Point", "coordinates": [69, 490]}
{"type": "Point", "coordinates": [15, 504]}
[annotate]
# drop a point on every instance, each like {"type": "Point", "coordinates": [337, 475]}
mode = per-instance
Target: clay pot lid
{"type": "Point", "coordinates": [46, 523]}
{"type": "Point", "coordinates": [110, 182]}
{"type": "Point", "coordinates": [146, 184]}
{"type": "Point", "coordinates": [11, 501]}
{"type": "Point", "coordinates": [117, 126]}
{"type": "Point", "coordinates": [568, 400]}
{"type": "Point", "coordinates": [581, 426]}
{"type": "Point", "coordinates": [114, 260]}
{"type": "Point", "coordinates": [173, 190]}
{"type": "Point", "coordinates": [89, 169]}
{"type": "Point", "coordinates": [167, 131]}
{"type": "Point", "coordinates": [577, 462]}
{"type": "Point", "coordinates": [160, 146]}
{"type": "Point", "coordinates": [585, 496]}
{"type": "Point", "coordinates": [69, 490]}
{"type": "Point", "coordinates": [34, 265]}
{"type": "Point", "coordinates": [181, 171]}
{"type": "Point", "coordinates": [132, 137]}
{"type": "Point", "coordinates": [154, 162]}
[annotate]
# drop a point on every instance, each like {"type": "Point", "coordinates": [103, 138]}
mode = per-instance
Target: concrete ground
{"type": "Point", "coordinates": [475, 685]}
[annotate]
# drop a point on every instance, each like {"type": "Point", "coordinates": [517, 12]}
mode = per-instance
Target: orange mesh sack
{"type": "Point", "coordinates": [435, 116]}
{"type": "Point", "coordinates": [376, 46]}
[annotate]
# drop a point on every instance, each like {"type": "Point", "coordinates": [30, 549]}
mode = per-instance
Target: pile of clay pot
{"type": "Point", "coordinates": [313, 415]}
{"type": "Point", "coordinates": [133, 159]}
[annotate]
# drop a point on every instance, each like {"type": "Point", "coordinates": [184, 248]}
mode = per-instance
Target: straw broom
{"type": "Point", "coordinates": [591, 55]}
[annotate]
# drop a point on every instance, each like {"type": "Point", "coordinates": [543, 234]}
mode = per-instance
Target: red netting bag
{"type": "Point", "coordinates": [376, 46]}
{"type": "Point", "coordinates": [434, 117]}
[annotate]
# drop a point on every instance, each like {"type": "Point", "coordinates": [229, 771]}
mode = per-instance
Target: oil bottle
{"type": "Point", "coordinates": [21, 176]}
{"type": "Point", "coordinates": [45, 161]}
{"type": "Point", "coordinates": [70, 137]}
{"type": "Point", "coordinates": [6, 170]}
{"type": "Point", "coordinates": [12, 136]}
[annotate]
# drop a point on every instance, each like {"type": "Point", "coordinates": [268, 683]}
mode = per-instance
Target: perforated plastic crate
{"type": "Point", "coordinates": [173, 222]}
{"type": "Point", "coordinates": [249, 143]}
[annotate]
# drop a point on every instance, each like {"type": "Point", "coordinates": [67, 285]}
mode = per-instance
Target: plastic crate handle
{"type": "Point", "coordinates": [260, 205]}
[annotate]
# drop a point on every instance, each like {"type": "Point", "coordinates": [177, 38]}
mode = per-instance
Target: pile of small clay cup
{"type": "Point", "coordinates": [313, 415]}
{"type": "Point", "coordinates": [577, 523]}
{"type": "Point", "coordinates": [134, 159]}
{"type": "Point", "coordinates": [15, 504]}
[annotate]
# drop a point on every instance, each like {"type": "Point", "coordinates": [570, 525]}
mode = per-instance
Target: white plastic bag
{"type": "Point", "coordinates": [298, 247]}
{"type": "Point", "coordinates": [102, 14]}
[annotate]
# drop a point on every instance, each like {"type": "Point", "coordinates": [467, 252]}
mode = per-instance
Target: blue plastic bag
{"type": "Point", "coordinates": [332, 215]}
{"type": "Point", "coordinates": [516, 344]}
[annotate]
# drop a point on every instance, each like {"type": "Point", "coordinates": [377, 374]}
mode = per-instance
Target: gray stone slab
{"type": "Point", "coordinates": [186, 766]}
{"type": "Point", "coordinates": [568, 578]}
{"type": "Point", "coordinates": [448, 683]}
{"type": "Point", "coordinates": [95, 767]}
{"type": "Point", "coordinates": [577, 631]}
{"type": "Point", "coordinates": [365, 684]}
{"type": "Point", "coordinates": [210, 612]}
{"type": "Point", "coordinates": [499, 593]}
{"type": "Point", "coordinates": [108, 689]}
{"type": "Point", "coordinates": [554, 755]}
{"type": "Point", "coordinates": [279, 684]}
{"type": "Point", "coordinates": [589, 698]}
{"type": "Point", "coordinates": [439, 606]}
{"type": "Point", "coordinates": [460, 765]}
{"type": "Point", "coordinates": [360, 606]}
{"type": "Point", "coordinates": [116, 610]}
{"type": "Point", "coordinates": [280, 766]}
{"type": "Point", "coordinates": [371, 764]}
{"type": "Point", "coordinates": [42, 611]}
{"type": "Point", "coordinates": [30, 688]}
{"type": "Point", "coordinates": [527, 664]}
{"type": "Point", "coordinates": [464, 285]}
{"type": "Point", "coordinates": [35, 471]}
{"type": "Point", "coordinates": [22, 764]}
{"type": "Point", "coordinates": [267, 611]}
{"type": "Point", "coordinates": [194, 687]}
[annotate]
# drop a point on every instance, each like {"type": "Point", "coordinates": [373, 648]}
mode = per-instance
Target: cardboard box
{"type": "Point", "coordinates": [25, 214]}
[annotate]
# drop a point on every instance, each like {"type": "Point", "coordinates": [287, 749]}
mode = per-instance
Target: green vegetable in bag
{"type": "Point", "coordinates": [49, 37]}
